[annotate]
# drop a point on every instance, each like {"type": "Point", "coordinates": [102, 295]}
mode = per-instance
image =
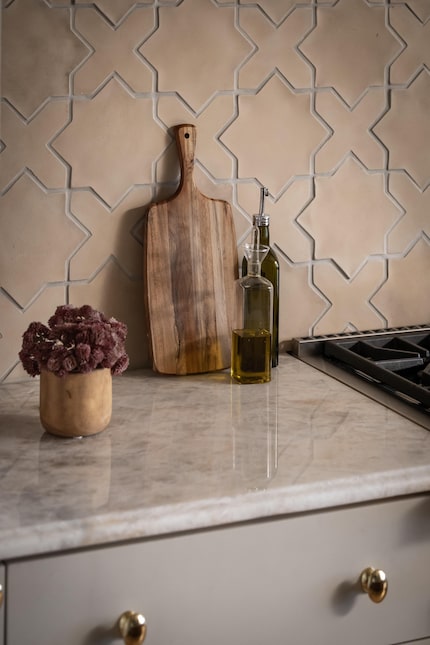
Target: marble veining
{"type": "Point", "coordinates": [194, 452]}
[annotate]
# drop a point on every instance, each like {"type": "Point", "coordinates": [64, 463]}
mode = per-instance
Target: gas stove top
{"type": "Point", "coordinates": [391, 366]}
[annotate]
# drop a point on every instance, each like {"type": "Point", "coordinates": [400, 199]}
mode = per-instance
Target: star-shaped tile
{"type": "Point", "coordinates": [196, 50]}
{"type": "Point", "coordinates": [415, 219]}
{"type": "Point", "coordinates": [114, 293]}
{"type": "Point", "coordinates": [350, 47]}
{"type": "Point", "coordinates": [114, 50]}
{"type": "Point", "coordinates": [401, 299]}
{"type": "Point", "coordinates": [34, 251]}
{"type": "Point", "coordinates": [350, 130]}
{"type": "Point", "coordinates": [114, 10]}
{"type": "Point", "coordinates": [289, 236]}
{"type": "Point", "coordinates": [13, 323]}
{"type": "Point", "coordinates": [300, 303]}
{"type": "Point", "coordinates": [209, 152]}
{"type": "Point", "coordinates": [27, 144]}
{"type": "Point", "coordinates": [421, 8]}
{"type": "Point", "coordinates": [111, 233]}
{"type": "Point", "coordinates": [350, 308]}
{"type": "Point", "coordinates": [281, 146]}
{"type": "Point", "coordinates": [111, 142]}
{"type": "Point", "coordinates": [275, 48]}
{"type": "Point", "coordinates": [348, 235]}
{"type": "Point", "coordinates": [405, 129]}
{"type": "Point", "coordinates": [35, 38]}
{"type": "Point", "coordinates": [417, 38]}
{"type": "Point", "coordinates": [277, 10]}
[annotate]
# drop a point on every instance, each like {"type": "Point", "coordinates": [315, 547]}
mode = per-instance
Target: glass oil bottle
{"type": "Point", "coordinates": [269, 270]}
{"type": "Point", "coordinates": [251, 354]}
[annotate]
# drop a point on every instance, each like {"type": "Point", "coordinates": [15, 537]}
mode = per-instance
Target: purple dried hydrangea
{"type": "Point", "coordinates": [77, 340]}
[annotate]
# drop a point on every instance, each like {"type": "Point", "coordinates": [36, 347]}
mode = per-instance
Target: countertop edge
{"type": "Point", "coordinates": [105, 529]}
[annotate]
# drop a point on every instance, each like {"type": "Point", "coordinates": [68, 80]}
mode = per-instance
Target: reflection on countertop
{"type": "Point", "coordinates": [193, 452]}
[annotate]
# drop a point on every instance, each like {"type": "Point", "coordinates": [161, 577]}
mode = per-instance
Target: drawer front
{"type": "Point", "coordinates": [2, 602]}
{"type": "Point", "coordinates": [290, 581]}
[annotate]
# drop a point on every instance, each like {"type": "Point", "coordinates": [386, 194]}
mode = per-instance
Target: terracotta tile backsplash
{"type": "Point", "coordinates": [325, 102]}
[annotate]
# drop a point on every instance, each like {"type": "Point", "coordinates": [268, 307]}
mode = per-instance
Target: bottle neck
{"type": "Point", "coordinates": [264, 235]}
{"type": "Point", "coordinates": [254, 268]}
{"type": "Point", "coordinates": [262, 221]}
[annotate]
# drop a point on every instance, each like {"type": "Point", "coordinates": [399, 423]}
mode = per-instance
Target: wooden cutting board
{"type": "Point", "coordinates": [190, 266]}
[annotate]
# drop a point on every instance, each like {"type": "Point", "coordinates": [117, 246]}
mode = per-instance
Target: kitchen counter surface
{"type": "Point", "coordinates": [192, 452]}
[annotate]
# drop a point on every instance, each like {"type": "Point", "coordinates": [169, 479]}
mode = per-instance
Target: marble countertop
{"type": "Point", "coordinates": [193, 452]}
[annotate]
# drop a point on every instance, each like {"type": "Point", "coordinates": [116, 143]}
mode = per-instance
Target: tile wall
{"type": "Point", "coordinates": [325, 102]}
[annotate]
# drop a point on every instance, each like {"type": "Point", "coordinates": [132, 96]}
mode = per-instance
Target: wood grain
{"type": "Point", "coordinates": [190, 264]}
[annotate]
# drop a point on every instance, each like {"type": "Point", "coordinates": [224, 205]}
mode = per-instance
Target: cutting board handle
{"type": "Point", "coordinates": [186, 141]}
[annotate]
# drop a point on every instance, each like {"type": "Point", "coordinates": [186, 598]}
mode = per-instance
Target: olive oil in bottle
{"type": "Point", "coordinates": [269, 270]}
{"type": "Point", "coordinates": [251, 355]}
{"type": "Point", "coordinates": [252, 331]}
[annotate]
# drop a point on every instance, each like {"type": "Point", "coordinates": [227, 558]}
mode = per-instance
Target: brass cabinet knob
{"type": "Point", "coordinates": [374, 582]}
{"type": "Point", "coordinates": [132, 627]}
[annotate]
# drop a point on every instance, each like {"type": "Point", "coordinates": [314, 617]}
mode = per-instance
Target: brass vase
{"type": "Point", "coordinates": [76, 405]}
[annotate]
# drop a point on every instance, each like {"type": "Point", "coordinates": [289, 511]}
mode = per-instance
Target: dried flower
{"type": "Point", "coordinates": [76, 340]}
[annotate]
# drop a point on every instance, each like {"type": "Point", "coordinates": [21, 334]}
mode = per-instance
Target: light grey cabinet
{"type": "Point", "coordinates": [287, 581]}
{"type": "Point", "coordinates": [2, 602]}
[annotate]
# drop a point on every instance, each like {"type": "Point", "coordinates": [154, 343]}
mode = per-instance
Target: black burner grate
{"type": "Point", "coordinates": [391, 366]}
{"type": "Point", "coordinates": [401, 362]}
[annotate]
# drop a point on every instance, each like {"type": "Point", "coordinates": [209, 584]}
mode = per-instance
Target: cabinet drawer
{"type": "Point", "coordinates": [289, 581]}
{"type": "Point", "coordinates": [2, 603]}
